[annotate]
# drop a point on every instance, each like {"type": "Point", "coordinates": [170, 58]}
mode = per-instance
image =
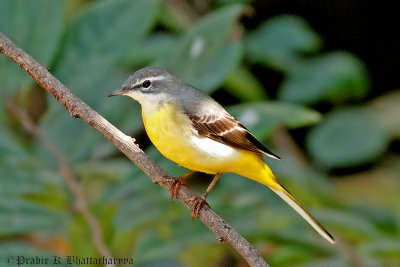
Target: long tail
{"type": "Point", "coordinates": [288, 198]}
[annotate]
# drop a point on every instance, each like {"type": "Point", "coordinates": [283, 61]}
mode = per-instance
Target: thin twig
{"type": "Point", "coordinates": [78, 109]}
{"type": "Point", "coordinates": [68, 177]}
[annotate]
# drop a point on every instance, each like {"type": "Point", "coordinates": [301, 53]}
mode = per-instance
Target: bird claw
{"type": "Point", "coordinates": [197, 205]}
{"type": "Point", "coordinates": [176, 184]}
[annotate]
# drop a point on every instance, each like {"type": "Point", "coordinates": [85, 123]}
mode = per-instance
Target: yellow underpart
{"type": "Point", "coordinates": [170, 131]}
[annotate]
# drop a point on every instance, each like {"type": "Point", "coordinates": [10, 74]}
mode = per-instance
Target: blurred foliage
{"type": "Point", "coordinates": [92, 46]}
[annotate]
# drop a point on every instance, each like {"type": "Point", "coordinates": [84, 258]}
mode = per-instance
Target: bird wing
{"type": "Point", "coordinates": [227, 130]}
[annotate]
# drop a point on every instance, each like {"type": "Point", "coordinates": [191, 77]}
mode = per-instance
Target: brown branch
{"type": "Point", "coordinates": [68, 177]}
{"type": "Point", "coordinates": [78, 109]}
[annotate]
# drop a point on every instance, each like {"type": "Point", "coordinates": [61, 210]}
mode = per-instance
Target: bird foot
{"type": "Point", "coordinates": [176, 184]}
{"type": "Point", "coordinates": [197, 205]}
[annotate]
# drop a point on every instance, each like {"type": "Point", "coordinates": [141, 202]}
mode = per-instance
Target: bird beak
{"type": "Point", "coordinates": [121, 91]}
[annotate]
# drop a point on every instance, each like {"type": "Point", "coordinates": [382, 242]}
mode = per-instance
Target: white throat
{"type": "Point", "coordinates": [149, 102]}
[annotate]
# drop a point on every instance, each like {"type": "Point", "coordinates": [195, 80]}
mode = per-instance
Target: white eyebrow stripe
{"type": "Point", "coordinates": [156, 78]}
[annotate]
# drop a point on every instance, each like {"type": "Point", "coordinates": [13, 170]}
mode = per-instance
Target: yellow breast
{"type": "Point", "coordinates": [166, 129]}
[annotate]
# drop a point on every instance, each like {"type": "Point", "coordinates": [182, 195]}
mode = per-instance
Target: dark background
{"type": "Point", "coordinates": [369, 29]}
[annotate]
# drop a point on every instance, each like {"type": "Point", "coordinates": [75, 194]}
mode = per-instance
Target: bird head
{"type": "Point", "coordinates": [148, 85]}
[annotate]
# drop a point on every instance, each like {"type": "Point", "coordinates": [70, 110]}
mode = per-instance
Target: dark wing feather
{"type": "Point", "coordinates": [227, 130]}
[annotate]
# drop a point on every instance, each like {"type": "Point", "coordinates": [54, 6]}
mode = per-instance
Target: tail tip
{"type": "Point", "coordinates": [325, 234]}
{"type": "Point", "coordinates": [331, 239]}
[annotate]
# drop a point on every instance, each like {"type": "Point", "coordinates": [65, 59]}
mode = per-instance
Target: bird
{"type": "Point", "coordinates": [190, 128]}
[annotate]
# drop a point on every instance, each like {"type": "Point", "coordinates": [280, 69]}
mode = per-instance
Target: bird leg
{"type": "Point", "coordinates": [176, 183]}
{"type": "Point", "coordinates": [200, 201]}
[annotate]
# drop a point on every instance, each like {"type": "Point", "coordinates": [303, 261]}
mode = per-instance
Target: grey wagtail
{"type": "Point", "coordinates": [190, 128]}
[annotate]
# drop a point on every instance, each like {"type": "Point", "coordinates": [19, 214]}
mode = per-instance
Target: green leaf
{"type": "Point", "coordinates": [347, 138]}
{"type": "Point", "coordinates": [109, 170]}
{"type": "Point", "coordinates": [155, 46]}
{"type": "Point", "coordinates": [171, 240]}
{"type": "Point", "coordinates": [173, 19]}
{"type": "Point", "coordinates": [20, 179]}
{"type": "Point", "coordinates": [289, 255]}
{"type": "Point", "coordinates": [131, 195]}
{"type": "Point", "coordinates": [81, 238]}
{"type": "Point", "coordinates": [280, 42]}
{"type": "Point", "coordinates": [195, 253]}
{"type": "Point", "coordinates": [168, 261]}
{"type": "Point", "coordinates": [333, 77]}
{"type": "Point", "coordinates": [263, 117]}
{"type": "Point", "coordinates": [318, 262]}
{"type": "Point", "coordinates": [22, 172]}
{"type": "Point", "coordinates": [386, 249]}
{"type": "Point", "coordinates": [386, 111]}
{"type": "Point", "coordinates": [131, 212]}
{"type": "Point", "coordinates": [382, 218]}
{"type": "Point", "coordinates": [18, 215]}
{"type": "Point", "coordinates": [99, 38]}
{"type": "Point", "coordinates": [10, 250]}
{"type": "Point", "coordinates": [102, 35]}
{"type": "Point", "coordinates": [11, 150]}
{"type": "Point", "coordinates": [204, 55]}
{"type": "Point", "coordinates": [349, 225]}
{"type": "Point", "coordinates": [75, 139]}
{"type": "Point", "coordinates": [244, 85]}
{"type": "Point", "coordinates": [134, 181]}
{"type": "Point", "coordinates": [36, 27]}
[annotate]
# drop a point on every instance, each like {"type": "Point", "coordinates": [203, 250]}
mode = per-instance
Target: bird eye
{"type": "Point", "coordinates": [146, 84]}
